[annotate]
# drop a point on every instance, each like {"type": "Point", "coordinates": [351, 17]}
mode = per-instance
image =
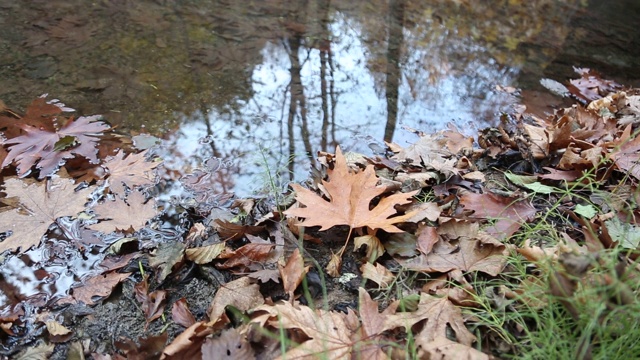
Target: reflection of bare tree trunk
{"type": "Point", "coordinates": [298, 101]}
{"type": "Point", "coordinates": [325, 50]}
{"type": "Point", "coordinates": [394, 45]}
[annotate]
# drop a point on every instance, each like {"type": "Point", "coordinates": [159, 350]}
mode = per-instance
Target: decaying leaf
{"type": "Point", "coordinates": [166, 257]}
{"type": "Point", "coordinates": [373, 244]}
{"type": "Point", "coordinates": [39, 352]}
{"type": "Point", "coordinates": [40, 204]}
{"type": "Point", "coordinates": [152, 303]}
{"type": "Point", "coordinates": [350, 201]}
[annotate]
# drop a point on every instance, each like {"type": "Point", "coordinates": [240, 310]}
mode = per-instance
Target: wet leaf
{"type": "Point", "coordinates": [229, 345]}
{"type": "Point", "coordinates": [180, 313]}
{"type": "Point", "coordinates": [131, 171]}
{"type": "Point", "coordinates": [97, 286]}
{"type": "Point", "coordinates": [121, 215]}
{"type": "Point", "coordinates": [39, 205]}
{"type": "Point", "coordinates": [38, 146]}
{"type": "Point", "coordinates": [350, 201]}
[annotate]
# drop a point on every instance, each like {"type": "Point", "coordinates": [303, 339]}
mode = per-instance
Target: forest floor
{"type": "Point", "coordinates": [520, 242]}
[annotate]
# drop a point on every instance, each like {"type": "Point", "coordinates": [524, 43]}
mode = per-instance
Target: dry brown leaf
{"type": "Point", "coordinates": [57, 332]}
{"type": "Point", "coordinates": [39, 352]}
{"type": "Point", "coordinates": [431, 152]}
{"type": "Point", "coordinates": [293, 273]}
{"type": "Point", "coordinates": [509, 212]}
{"type": "Point", "coordinates": [374, 246]}
{"type": "Point", "coordinates": [205, 254]}
{"type": "Point", "coordinates": [119, 215]}
{"type": "Point", "coordinates": [99, 286]}
{"type": "Point", "coordinates": [266, 275]}
{"type": "Point", "coordinates": [442, 348]}
{"type": "Point", "coordinates": [427, 237]}
{"type": "Point", "coordinates": [230, 345]}
{"type": "Point", "coordinates": [373, 326]}
{"type": "Point", "coordinates": [329, 332]}
{"type": "Point", "coordinates": [378, 274]}
{"type": "Point", "coordinates": [152, 303]}
{"type": "Point", "coordinates": [240, 293]}
{"type": "Point", "coordinates": [132, 171]}
{"type": "Point", "coordinates": [480, 253]}
{"type": "Point", "coordinates": [249, 254]}
{"type": "Point", "coordinates": [187, 345]}
{"type": "Point", "coordinates": [441, 315]}
{"type": "Point", "coordinates": [180, 313]}
{"type": "Point", "coordinates": [40, 204]}
{"type": "Point", "coordinates": [350, 201]}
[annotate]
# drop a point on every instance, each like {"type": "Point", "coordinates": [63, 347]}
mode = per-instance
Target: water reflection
{"type": "Point", "coordinates": [271, 83]}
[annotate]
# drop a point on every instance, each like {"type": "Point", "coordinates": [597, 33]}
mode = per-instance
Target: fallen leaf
{"type": "Point", "coordinates": [509, 213]}
{"type": "Point", "coordinates": [442, 348]}
{"type": "Point", "coordinates": [43, 146]}
{"type": "Point", "coordinates": [121, 215]}
{"type": "Point", "coordinates": [180, 313]}
{"type": "Point", "coordinates": [39, 352]}
{"type": "Point", "coordinates": [441, 315]}
{"type": "Point", "coordinates": [130, 172]}
{"type": "Point", "coordinates": [40, 204]}
{"type": "Point", "coordinates": [373, 244]}
{"type": "Point", "coordinates": [97, 286]}
{"type": "Point", "coordinates": [152, 303]}
{"type": "Point", "coordinates": [166, 257]}
{"type": "Point", "coordinates": [57, 332]}
{"type": "Point", "coordinates": [350, 201]}
{"type": "Point", "coordinates": [205, 254]}
{"type": "Point", "coordinates": [293, 272]}
{"type": "Point", "coordinates": [329, 332]}
{"type": "Point", "coordinates": [229, 345]}
{"type": "Point", "coordinates": [378, 274]}
{"type": "Point", "coordinates": [427, 237]}
{"type": "Point", "coordinates": [150, 347]}
{"type": "Point", "coordinates": [188, 343]}
{"type": "Point", "coordinates": [240, 293]}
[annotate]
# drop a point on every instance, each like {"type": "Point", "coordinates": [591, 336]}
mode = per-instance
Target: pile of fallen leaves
{"type": "Point", "coordinates": [443, 209]}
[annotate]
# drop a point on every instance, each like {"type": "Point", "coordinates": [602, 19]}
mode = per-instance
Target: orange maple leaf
{"type": "Point", "coordinates": [350, 201]}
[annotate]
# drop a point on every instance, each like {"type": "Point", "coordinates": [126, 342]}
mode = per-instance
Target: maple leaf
{"type": "Point", "coordinates": [240, 293]}
{"type": "Point", "coordinates": [118, 215]}
{"type": "Point", "coordinates": [350, 201]}
{"type": "Point", "coordinates": [442, 316]}
{"type": "Point", "coordinates": [40, 204]}
{"type": "Point", "coordinates": [468, 249]}
{"type": "Point", "coordinates": [130, 171]}
{"type": "Point", "coordinates": [50, 149]}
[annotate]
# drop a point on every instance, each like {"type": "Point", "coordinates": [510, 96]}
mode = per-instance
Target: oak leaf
{"type": "Point", "coordinates": [350, 197]}
{"type": "Point", "coordinates": [39, 205]}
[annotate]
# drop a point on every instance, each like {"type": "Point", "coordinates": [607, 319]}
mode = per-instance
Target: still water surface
{"type": "Point", "coordinates": [273, 82]}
